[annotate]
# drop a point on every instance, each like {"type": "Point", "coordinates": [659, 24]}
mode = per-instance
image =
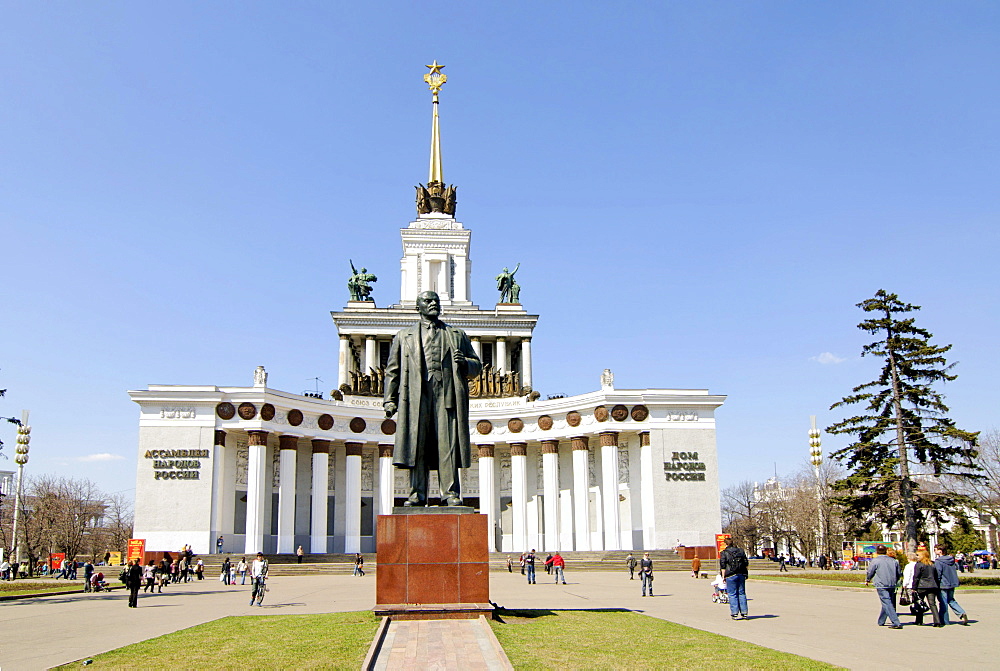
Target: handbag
{"type": "Point", "coordinates": [905, 598]}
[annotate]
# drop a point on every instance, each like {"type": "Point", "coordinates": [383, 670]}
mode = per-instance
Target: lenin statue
{"type": "Point", "coordinates": [427, 381]}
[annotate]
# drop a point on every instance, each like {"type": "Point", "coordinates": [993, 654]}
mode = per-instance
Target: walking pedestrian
{"type": "Point", "coordinates": [510, 564]}
{"type": "Point", "coordinates": [630, 562]}
{"type": "Point", "coordinates": [359, 565]}
{"type": "Point", "coordinates": [695, 566]}
{"type": "Point", "coordinates": [884, 571]}
{"type": "Point", "coordinates": [558, 567]}
{"type": "Point", "coordinates": [529, 564]}
{"type": "Point", "coordinates": [925, 584]}
{"type": "Point", "coordinates": [241, 568]}
{"type": "Point", "coordinates": [226, 566]}
{"type": "Point", "coordinates": [218, 545]}
{"type": "Point", "coordinates": [548, 563]}
{"type": "Point", "coordinates": [133, 580]}
{"type": "Point", "coordinates": [147, 576]}
{"type": "Point", "coordinates": [646, 573]}
{"type": "Point", "coordinates": [944, 567]}
{"type": "Point", "coordinates": [734, 566]}
{"type": "Point", "coordinates": [299, 552]}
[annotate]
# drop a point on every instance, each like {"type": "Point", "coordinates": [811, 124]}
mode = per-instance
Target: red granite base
{"type": "Point", "coordinates": [440, 611]}
{"type": "Point", "coordinates": [432, 559]}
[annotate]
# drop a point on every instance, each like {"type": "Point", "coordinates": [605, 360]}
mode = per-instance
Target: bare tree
{"type": "Point", "coordinates": [741, 514]}
{"type": "Point", "coordinates": [58, 515]}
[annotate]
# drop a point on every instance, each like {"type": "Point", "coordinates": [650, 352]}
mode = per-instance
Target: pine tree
{"type": "Point", "coordinates": [904, 423]}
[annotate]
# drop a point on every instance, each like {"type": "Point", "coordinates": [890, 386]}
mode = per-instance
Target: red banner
{"type": "Point", "coordinates": [55, 560]}
{"type": "Point", "coordinates": [720, 541]}
{"type": "Point", "coordinates": [136, 548]}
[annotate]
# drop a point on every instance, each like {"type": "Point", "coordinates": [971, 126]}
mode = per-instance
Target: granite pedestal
{"type": "Point", "coordinates": [433, 563]}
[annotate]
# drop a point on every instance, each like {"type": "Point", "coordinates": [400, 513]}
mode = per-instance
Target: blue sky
{"type": "Point", "coordinates": [698, 195]}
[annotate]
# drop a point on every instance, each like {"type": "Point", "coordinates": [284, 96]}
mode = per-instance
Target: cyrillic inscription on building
{"type": "Point", "coordinates": [177, 464]}
{"type": "Point", "coordinates": [684, 466]}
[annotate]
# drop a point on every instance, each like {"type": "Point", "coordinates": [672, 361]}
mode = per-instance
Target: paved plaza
{"type": "Point", "coordinates": [833, 625]}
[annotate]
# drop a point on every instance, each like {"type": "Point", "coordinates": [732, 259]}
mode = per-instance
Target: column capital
{"type": "Point", "coordinates": [385, 450]}
{"type": "Point", "coordinates": [526, 339]}
{"type": "Point", "coordinates": [501, 338]}
{"type": "Point", "coordinates": [257, 437]}
{"type": "Point", "coordinates": [371, 337]}
{"type": "Point", "coordinates": [220, 437]}
{"type": "Point", "coordinates": [354, 449]}
{"type": "Point", "coordinates": [609, 438]}
{"type": "Point", "coordinates": [580, 442]}
{"type": "Point", "coordinates": [475, 338]}
{"type": "Point", "coordinates": [485, 450]}
{"type": "Point", "coordinates": [345, 336]}
{"type": "Point", "coordinates": [320, 446]}
{"type": "Point", "coordinates": [518, 449]}
{"type": "Point", "coordinates": [288, 442]}
{"type": "Point", "coordinates": [644, 439]}
{"type": "Point", "coordinates": [550, 447]}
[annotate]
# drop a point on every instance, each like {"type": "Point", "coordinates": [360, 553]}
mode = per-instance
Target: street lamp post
{"type": "Point", "coordinates": [21, 458]}
{"type": "Point", "coordinates": [816, 457]}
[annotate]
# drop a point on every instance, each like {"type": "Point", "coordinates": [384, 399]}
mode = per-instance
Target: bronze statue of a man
{"type": "Point", "coordinates": [427, 381]}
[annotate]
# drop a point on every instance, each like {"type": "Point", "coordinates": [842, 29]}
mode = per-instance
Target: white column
{"type": "Point", "coordinates": [581, 493]}
{"type": "Point", "coordinates": [526, 362]}
{"type": "Point", "coordinates": [501, 359]}
{"type": "Point", "coordinates": [609, 490]}
{"type": "Point", "coordinates": [320, 493]}
{"type": "Point", "coordinates": [219, 494]}
{"type": "Point", "coordinates": [487, 493]}
{"type": "Point", "coordinates": [345, 360]}
{"type": "Point", "coordinates": [371, 355]}
{"type": "Point", "coordinates": [550, 492]}
{"type": "Point", "coordinates": [386, 485]}
{"type": "Point", "coordinates": [646, 488]}
{"type": "Point", "coordinates": [519, 494]}
{"type": "Point", "coordinates": [352, 499]}
{"type": "Point", "coordinates": [477, 346]}
{"type": "Point", "coordinates": [256, 474]}
{"type": "Point", "coordinates": [287, 445]}
{"type": "Point", "coordinates": [461, 280]}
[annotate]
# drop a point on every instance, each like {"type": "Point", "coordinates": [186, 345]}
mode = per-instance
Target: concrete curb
{"type": "Point", "coordinates": [497, 648]}
{"type": "Point", "coordinates": [15, 597]}
{"type": "Point", "coordinates": [376, 645]}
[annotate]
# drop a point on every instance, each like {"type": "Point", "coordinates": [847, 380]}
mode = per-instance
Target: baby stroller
{"type": "Point", "coordinates": [720, 595]}
{"type": "Point", "coordinates": [97, 582]}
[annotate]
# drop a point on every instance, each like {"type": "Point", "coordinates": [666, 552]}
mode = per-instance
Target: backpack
{"type": "Point", "coordinates": [737, 562]}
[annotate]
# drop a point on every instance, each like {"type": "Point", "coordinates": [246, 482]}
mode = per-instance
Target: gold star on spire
{"type": "Point", "coordinates": [435, 78]}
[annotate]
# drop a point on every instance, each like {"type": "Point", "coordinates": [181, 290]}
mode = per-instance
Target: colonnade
{"type": "Point", "coordinates": [372, 357]}
{"type": "Point", "coordinates": [561, 531]}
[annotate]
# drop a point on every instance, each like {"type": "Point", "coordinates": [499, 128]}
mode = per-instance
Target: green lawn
{"type": "Point", "coordinates": [616, 639]}
{"type": "Point", "coordinates": [533, 639]}
{"type": "Point", "coordinates": [29, 586]}
{"type": "Point", "coordinates": [333, 641]}
{"type": "Point", "coordinates": [838, 579]}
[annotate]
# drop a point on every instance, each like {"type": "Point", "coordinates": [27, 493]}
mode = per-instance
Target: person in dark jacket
{"type": "Point", "coordinates": [925, 583]}
{"type": "Point", "coordinates": [944, 567]}
{"type": "Point", "coordinates": [133, 580]}
{"type": "Point", "coordinates": [733, 565]}
{"type": "Point", "coordinates": [884, 571]}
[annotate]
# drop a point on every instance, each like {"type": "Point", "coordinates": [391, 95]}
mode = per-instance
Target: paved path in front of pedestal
{"type": "Point", "coordinates": [439, 645]}
{"type": "Point", "coordinates": [836, 626]}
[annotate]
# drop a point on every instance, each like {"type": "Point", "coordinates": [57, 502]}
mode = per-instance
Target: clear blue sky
{"type": "Point", "coordinates": [698, 195]}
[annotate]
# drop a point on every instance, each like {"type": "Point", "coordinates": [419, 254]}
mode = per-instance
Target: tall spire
{"type": "Point", "coordinates": [435, 80]}
{"type": "Point", "coordinates": [435, 197]}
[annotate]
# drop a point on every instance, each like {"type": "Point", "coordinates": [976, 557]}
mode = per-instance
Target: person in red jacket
{"type": "Point", "coordinates": [558, 563]}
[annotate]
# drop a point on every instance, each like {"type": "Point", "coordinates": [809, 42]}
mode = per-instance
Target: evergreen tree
{"type": "Point", "coordinates": [903, 424]}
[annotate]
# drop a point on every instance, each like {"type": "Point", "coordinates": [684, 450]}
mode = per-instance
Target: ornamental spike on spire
{"type": "Point", "coordinates": [435, 197]}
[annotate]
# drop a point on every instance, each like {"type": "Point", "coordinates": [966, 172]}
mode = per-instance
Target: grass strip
{"type": "Point", "coordinates": [833, 582]}
{"type": "Point", "coordinates": [619, 639]}
{"type": "Point", "coordinates": [330, 641]}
